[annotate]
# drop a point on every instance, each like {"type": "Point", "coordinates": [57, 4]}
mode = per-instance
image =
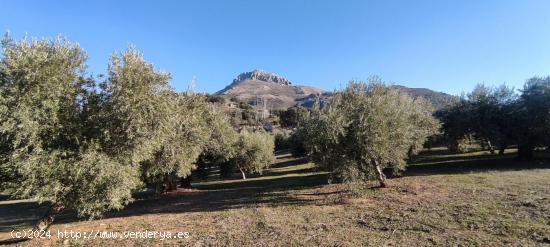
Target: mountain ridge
{"type": "Point", "coordinates": [280, 93]}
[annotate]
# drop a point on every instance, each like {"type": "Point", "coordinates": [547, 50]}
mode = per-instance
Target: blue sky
{"type": "Point", "coordinates": [444, 45]}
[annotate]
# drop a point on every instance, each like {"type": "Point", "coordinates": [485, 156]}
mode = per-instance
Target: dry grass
{"type": "Point", "coordinates": [292, 205]}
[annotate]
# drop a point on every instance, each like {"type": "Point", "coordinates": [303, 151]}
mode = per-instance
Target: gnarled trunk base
{"type": "Point", "coordinates": [169, 184]}
{"type": "Point", "coordinates": [48, 218]}
{"type": "Point", "coordinates": [501, 150]}
{"type": "Point", "coordinates": [186, 182]}
{"type": "Point", "coordinates": [525, 152]}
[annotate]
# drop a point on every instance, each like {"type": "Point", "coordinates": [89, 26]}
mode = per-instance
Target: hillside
{"type": "Point", "coordinates": [438, 99]}
{"type": "Point", "coordinates": [280, 93]}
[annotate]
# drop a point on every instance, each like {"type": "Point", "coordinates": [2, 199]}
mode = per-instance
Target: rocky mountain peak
{"type": "Point", "coordinates": [261, 75]}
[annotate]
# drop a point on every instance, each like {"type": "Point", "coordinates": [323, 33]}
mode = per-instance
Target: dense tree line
{"type": "Point", "coordinates": [87, 143]}
{"type": "Point", "coordinates": [499, 117]}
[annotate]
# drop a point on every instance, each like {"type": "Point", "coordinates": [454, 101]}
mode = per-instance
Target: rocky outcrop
{"type": "Point", "coordinates": [261, 75]}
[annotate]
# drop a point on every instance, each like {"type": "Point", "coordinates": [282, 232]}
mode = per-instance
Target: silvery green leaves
{"type": "Point", "coordinates": [365, 128]}
{"type": "Point", "coordinates": [78, 144]}
{"type": "Point", "coordinates": [46, 145]}
{"type": "Point", "coordinates": [254, 151]}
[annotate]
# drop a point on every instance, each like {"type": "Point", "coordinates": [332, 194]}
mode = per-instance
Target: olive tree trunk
{"type": "Point", "coordinates": [491, 147]}
{"type": "Point", "coordinates": [502, 149]}
{"type": "Point", "coordinates": [48, 218]}
{"type": "Point", "coordinates": [186, 182]}
{"type": "Point", "coordinates": [243, 173]}
{"type": "Point", "coordinates": [381, 176]}
{"type": "Point", "coordinates": [169, 183]}
{"type": "Point", "coordinates": [525, 152]}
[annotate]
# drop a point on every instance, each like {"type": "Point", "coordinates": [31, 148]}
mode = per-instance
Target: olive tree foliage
{"type": "Point", "coordinates": [47, 151]}
{"type": "Point", "coordinates": [137, 107]}
{"type": "Point", "coordinates": [498, 117]}
{"type": "Point", "coordinates": [254, 151]}
{"type": "Point", "coordinates": [366, 128]}
{"type": "Point", "coordinates": [184, 136]}
{"type": "Point", "coordinates": [487, 114]}
{"type": "Point", "coordinates": [220, 146]}
{"type": "Point", "coordinates": [85, 146]}
{"type": "Point", "coordinates": [456, 125]}
{"type": "Point", "coordinates": [491, 116]}
{"type": "Point", "coordinates": [291, 117]}
{"type": "Point", "coordinates": [162, 131]}
{"type": "Point", "coordinates": [532, 117]}
{"type": "Point", "coordinates": [425, 125]}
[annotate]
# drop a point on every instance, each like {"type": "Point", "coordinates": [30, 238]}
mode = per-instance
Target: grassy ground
{"type": "Point", "coordinates": [473, 199]}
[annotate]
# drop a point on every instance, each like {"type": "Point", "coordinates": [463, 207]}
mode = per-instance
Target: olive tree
{"type": "Point", "coordinates": [487, 114]}
{"type": "Point", "coordinates": [532, 115]}
{"type": "Point", "coordinates": [456, 124]}
{"type": "Point", "coordinates": [366, 128]}
{"type": "Point", "coordinates": [291, 117]}
{"type": "Point", "coordinates": [254, 151]}
{"type": "Point", "coordinates": [183, 136]}
{"type": "Point", "coordinates": [47, 151]}
{"type": "Point", "coordinates": [136, 107]}
{"type": "Point", "coordinates": [218, 142]}
{"type": "Point", "coordinates": [490, 115]}
{"type": "Point", "coordinates": [162, 131]}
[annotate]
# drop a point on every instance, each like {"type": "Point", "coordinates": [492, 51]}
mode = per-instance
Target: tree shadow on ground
{"type": "Point", "coordinates": [248, 193]}
{"type": "Point", "coordinates": [24, 213]}
{"type": "Point", "coordinates": [481, 163]}
{"type": "Point", "coordinates": [204, 197]}
{"type": "Point", "coordinates": [441, 156]}
{"type": "Point", "coordinates": [289, 162]}
{"type": "Point", "coordinates": [220, 197]}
